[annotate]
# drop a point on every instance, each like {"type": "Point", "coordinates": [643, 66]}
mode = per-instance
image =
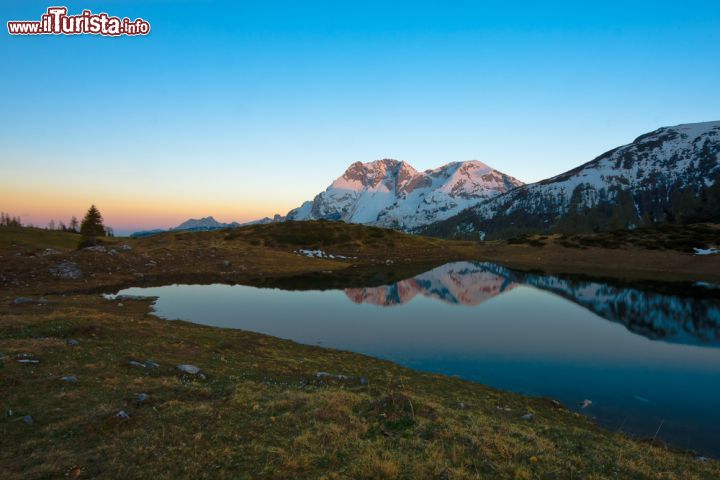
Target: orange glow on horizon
{"type": "Point", "coordinates": [38, 205]}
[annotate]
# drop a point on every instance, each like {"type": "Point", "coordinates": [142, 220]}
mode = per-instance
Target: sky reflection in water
{"type": "Point", "coordinates": [642, 356]}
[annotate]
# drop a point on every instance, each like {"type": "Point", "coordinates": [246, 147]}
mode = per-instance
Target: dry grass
{"type": "Point", "coordinates": [263, 253]}
{"type": "Point", "coordinates": [261, 412]}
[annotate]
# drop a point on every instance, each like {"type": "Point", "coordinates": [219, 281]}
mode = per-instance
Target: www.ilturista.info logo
{"type": "Point", "coordinates": [57, 22]}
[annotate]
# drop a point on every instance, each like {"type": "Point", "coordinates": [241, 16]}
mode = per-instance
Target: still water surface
{"type": "Point", "coordinates": [645, 356]}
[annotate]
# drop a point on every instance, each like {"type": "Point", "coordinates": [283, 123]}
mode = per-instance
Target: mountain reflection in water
{"type": "Point", "coordinates": [656, 315]}
{"type": "Point", "coordinates": [645, 354]}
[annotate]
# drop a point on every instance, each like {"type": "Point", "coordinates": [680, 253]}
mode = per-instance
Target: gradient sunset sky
{"type": "Point", "coordinates": [246, 109]}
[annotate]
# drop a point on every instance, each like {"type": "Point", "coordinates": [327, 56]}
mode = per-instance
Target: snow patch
{"type": "Point", "coordinates": [319, 254]}
{"type": "Point", "coordinates": [707, 251]}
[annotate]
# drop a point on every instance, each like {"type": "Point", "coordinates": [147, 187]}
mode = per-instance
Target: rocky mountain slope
{"type": "Point", "coordinates": [669, 175]}
{"type": "Point", "coordinates": [392, 194]}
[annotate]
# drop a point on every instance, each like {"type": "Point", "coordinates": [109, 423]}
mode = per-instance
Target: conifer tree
{"type": "Point", "coordinates": [92, 225]}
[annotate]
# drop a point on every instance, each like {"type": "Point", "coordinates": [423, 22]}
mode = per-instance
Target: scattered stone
{"type": "Point", "coordinates": [49, 251]}
{"type": "Point", "coordinates": [9, 413]}
{"type": "Point", "coordinates": [28, 361]}
{"type": "Point", "coordinates": [330, 375]}
{"type": "Point", "coordinates": [363, 381]}
{"type": "Point", "coordinates": [389, 262]}
{"type": "Point", "coordinates": [73, 343]}
{"type": "Point", "coordinates": [112, 252]}
{"type": "Point", "coordinates": [66, 269]}
{"type": "Point", "coordinates": [145, 364]}
{"type": "Point", "coordinates": [69, 378]}
{"type": "Point", "coordinates": [28, 419]}
{"type": "Point", "coordinates": [585, 403]}
{"type": "Point", "coordinates": [226, 263]}
{"type": "Point", "coordinates": [189, 369]}
{"type": "Point", "coordinates": [555, 403]}
{"type": "Point", "coordinates": [461, 405]}
{"type": "Point", "coordinates": [528, 416]}
{"type": "Point", "coordinates": [143, 397]}
{"type": "Point", "coordinates": [120, 305]}
{"type": "Point", "coordinates": [96, 248]}
{"type": "Point", "coordinates": [122, 414]}
{"type": "Point", "coordinates": [125, 247]}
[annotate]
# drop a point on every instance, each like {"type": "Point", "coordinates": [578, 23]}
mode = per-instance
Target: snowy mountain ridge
{"type": "Point", "coordinates": [669, 174]}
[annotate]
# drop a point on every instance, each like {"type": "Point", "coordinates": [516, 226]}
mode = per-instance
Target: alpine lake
{"type": "Point", "coordinates": [643, 359]}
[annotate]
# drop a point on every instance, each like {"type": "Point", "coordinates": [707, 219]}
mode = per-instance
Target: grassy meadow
{"type": "Point", "coordinates": [258, 408]}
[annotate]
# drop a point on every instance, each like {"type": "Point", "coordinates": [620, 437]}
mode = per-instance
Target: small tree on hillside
{"type": "Point", "coordinates": [74, 225]}
{"type": "Point", "coordinates": [92, 225]}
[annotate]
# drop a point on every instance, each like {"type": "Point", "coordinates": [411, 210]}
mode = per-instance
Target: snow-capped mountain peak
{"type": "Point", "coordinates": [391, 193]}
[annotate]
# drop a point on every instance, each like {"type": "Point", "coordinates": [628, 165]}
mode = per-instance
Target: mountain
{"type": "Point", "coordinates": [669, 175]}
{"type": "Point", "coordinates": [392, 194]}
{"type": "Point", "coordinates": [205, 224]}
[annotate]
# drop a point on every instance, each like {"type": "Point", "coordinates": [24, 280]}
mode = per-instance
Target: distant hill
{"type": "Point", "coordinates": [205, 224]}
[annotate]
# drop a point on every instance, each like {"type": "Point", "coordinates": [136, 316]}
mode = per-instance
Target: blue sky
{"type": "Point", "coordinates": [242, 109]}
